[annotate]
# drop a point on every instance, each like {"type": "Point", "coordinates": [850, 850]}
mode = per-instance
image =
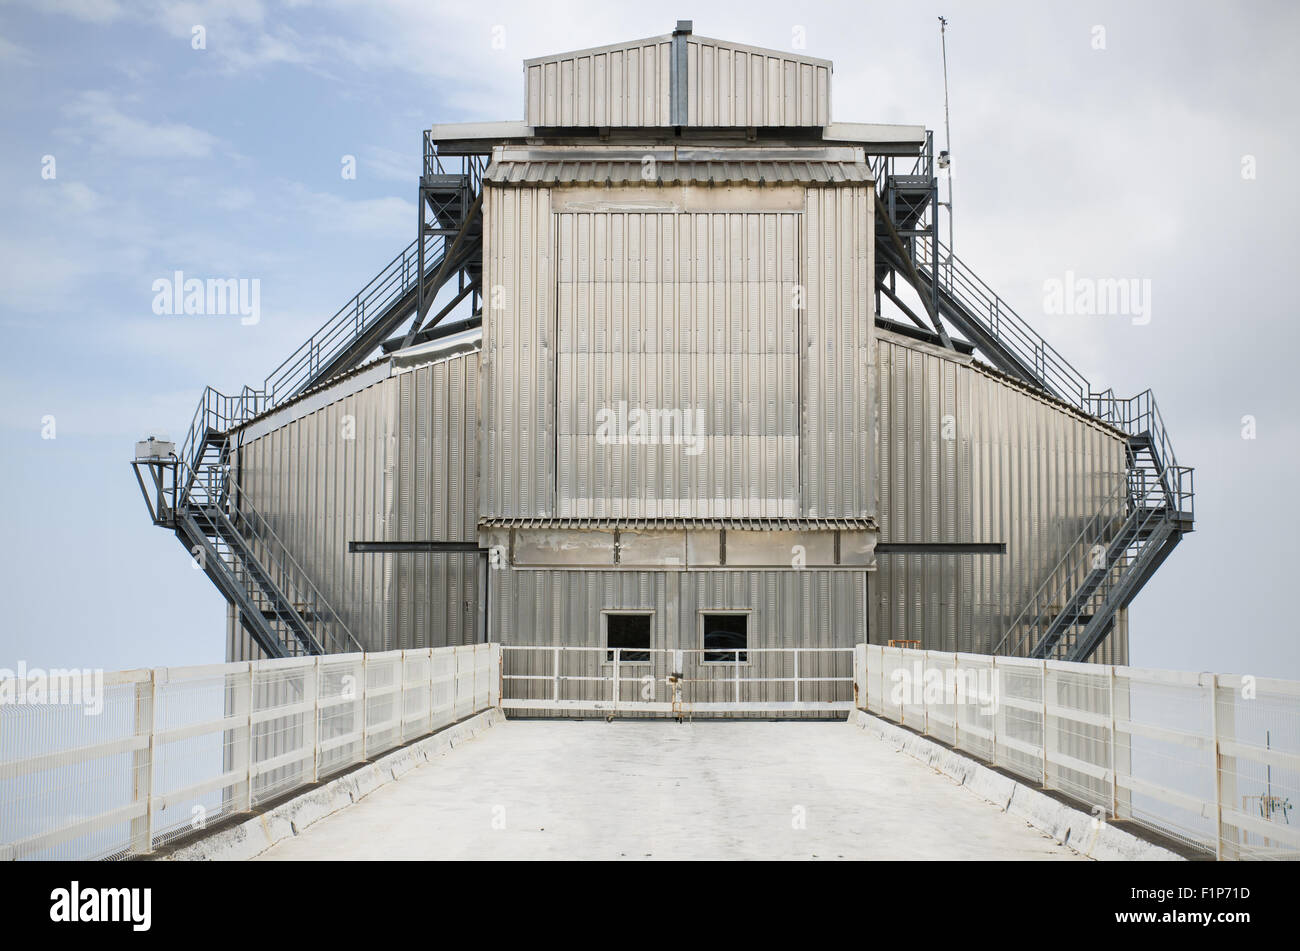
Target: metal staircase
{"type": "Point", "coordinates": [1115, 553]}
{"type": "Point", "coordinates": [193, 491]}
{"type": "Point", "coordinates": [1152, 507]}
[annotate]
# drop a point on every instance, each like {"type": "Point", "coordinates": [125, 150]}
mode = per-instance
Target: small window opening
{"type": "Point", "coordinates": [726, 638]}
{"type": "Point", "coordinates": [631, 633]}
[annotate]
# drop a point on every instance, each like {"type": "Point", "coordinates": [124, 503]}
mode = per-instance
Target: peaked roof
{"type": "Point", "coordinates": [678, 79]}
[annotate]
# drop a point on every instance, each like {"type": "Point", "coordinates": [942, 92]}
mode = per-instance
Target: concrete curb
{"type": "Point", "coordinates": [260, 832]}
{"type": "Point", "coordinates": [1069, 826]}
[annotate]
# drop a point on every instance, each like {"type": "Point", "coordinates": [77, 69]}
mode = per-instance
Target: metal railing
{"type": "Point", "coordinates": [1138, 416]}
{"type": "Point", "coordinates": [220, 413]}
{"type": "Point", "coordinates": [273, 555]}
{"type": "Point", "coordinates": [161, 753]}
{"type": "Point", "coordinates": [1212, 760]}
{"type": "Point", "coordinates": [1126, 529]}
{"type": "Point", "coordinates": [391, 284]}
{"type": "Point", "coordinates": [998, 318]}
{"type": "Point", "coordinates": [1066, 576]}
{"type": "Point", "coordinates": [677, 682]}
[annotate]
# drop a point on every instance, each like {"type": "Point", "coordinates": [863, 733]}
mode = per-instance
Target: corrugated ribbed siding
{"type": "Point", "coordinates": [518, 405]}
{"type": "Point", "coordinates": [836, 377]}
{"type": "Point", "coordinates": [625, 85]}
{"type": "Point", "coordinates": [788, 608]}
{"type": "Point", "coordinates": [589, 169]}
{"type": "Point", "coordinates": [630, 84]}
{"type": "Point", "coordinates": [732, 86]}
{"type": "Point", "coordinates": [692, 315]}
{"type": "Point", "coordinates": [408, 473]}
{"type": "Point", "coordinates": [1016, 469]}
{"type": "Point", "coordinates": [730, 260]}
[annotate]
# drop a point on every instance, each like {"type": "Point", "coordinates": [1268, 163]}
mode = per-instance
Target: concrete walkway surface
{"type": "Point", "coordinates": [557, 789]}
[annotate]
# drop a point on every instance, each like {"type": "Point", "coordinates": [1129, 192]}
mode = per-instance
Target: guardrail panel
{"type": "Point", "coordinates": [137, 758]}
{"type": "Point", "coordinates": [1210, 760]}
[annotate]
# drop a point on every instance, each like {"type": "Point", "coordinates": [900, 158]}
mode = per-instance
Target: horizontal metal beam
{"type": "Point", "coordinates": [941, 548]}
{"type": "Point", "coordinates": [368, 548]}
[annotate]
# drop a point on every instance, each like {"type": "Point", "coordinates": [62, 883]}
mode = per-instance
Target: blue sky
{"type": "Point", "coordinates": [1123, 161]}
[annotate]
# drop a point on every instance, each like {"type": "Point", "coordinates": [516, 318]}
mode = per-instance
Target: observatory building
{"type": "Point", "coordinates": [676, 363]}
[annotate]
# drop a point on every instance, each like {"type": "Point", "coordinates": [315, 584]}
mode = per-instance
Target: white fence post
{"type": "Point", "coordinates": [239, 700]}
{"type": "Point", "coordinates": [1042, 693]}
{"type": "Point", "coordinates": [555, 678]}
{"type": "Point", "coordinates": [618, 671]}
{"type": "Point", "coordinates": [996, 682]}
{"type": "Point", "coordinates": [925, 701]}
{"type": "Point", "coordinates": [477, 648]}
{"type": "Point", "coordinates": [146, 707]}
{"type": "Point", "coordinates": [956, 701]}
{"type": "Point", "coordinates": [311, 683]}
{"type": "Point", "coordinates": [429, 687]}
{"type": "Point", "coordinates": [1114, 747]}
{"type": "Point", "coordinates": [498, 658]}
{"type": "Point", "coordinates": [365, 727]}
{"type": "Point", "coordinates": [1216, 765]}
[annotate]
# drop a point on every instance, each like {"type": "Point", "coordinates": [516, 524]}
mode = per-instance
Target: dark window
{"type": "Point", "coordinates": [631, 632]}
{"type": "Point", "coordinates": [725, 638]}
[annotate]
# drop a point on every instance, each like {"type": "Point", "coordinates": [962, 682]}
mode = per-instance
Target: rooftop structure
{"type": "Point", "coordinates": [676, 363]}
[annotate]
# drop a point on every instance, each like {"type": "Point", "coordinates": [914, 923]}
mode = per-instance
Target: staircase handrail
{"type": "Point", "coordinates": [243, 509]}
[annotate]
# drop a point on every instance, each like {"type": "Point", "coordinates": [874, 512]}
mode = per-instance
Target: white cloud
{"type": "Point", "coordinates": [363, 217]}
{"type": "Point", "coordinates": [89, 11]}
{"type": "Point", "coordinates": [11, 52]}
{"type": "Point", "coordinates": [114, 131]}
{"type": "Point", "coordinates": [392, 166]}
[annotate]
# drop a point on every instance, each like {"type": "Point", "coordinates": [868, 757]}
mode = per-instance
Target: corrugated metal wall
{"type": "Point", "coordinates": [966, 456]}
{"type": "Point", "coordinates": [394, 461]}
{"type": "Point", "coordinates": [622, 85]}
{"type": "Point", "coordinates": [690, 315]}
{"type": "Point", "coordinates": [1011, 467]}
{"type": "Point", "coordinates": [837, 377]}
{"type": "Point", "coordinates": [730, 85]}
{"type": "Point", "coordinates": [832, 283]}
{"type": "Point", "coordinates": [518, 393]}
{"type": "Point", "coordinates": [630, 85]}
{"type": "Point", "coordinates": [809, 608]}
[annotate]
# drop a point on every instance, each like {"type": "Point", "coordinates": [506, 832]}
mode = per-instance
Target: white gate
{"type": "Point", "coordinates": [678, 682]}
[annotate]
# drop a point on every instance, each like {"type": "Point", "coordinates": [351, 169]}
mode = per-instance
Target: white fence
{"type": "Point", "coordinates": [678, 682]}
{"type": "Point", "coordinates": [1210, 759]}
{"type": "Point", "coordinates": [168, 751]}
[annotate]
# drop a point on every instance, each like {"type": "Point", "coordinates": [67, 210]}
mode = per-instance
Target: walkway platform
{"type": "Point", "coordinates": [563, 789]}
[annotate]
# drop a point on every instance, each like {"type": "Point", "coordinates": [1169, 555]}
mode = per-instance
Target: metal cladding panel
{"type": "Point", "coordinates": [966, 456]}
{"type": "Point", "coordinates": [518, 390]}
{"type": "Point", "coordinates": [729, 86]}
{"type": "Point", "coordinates": [322, 480]}
{"type": "Point", "coordinates": [625, 84]}
{"type": "Point", "coordinates": [393, 461]}
{"type": "Point", "coordinates": [437, 601]}
{"type": "Point", "coordinates": [602, 170]}
{"type": "Point", "coordinates": [809, 608]}
{"type": "Point", "coordinates": [837, 387]}
{"type": "Point", "coordinates": [678, 365]}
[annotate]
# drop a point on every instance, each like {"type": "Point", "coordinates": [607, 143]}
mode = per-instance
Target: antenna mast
{"type": "Point", "coordinates": [945, 157]}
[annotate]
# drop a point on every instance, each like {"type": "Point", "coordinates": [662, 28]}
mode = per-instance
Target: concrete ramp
{"type": "Point", "coordinates": [556, 789]}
